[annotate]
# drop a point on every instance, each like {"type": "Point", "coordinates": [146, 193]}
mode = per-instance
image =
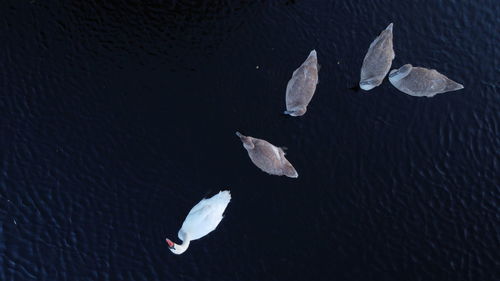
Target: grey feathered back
{"type": "Point", "coordinates": [267, 157]}
{"type": "Point", "coordinates": [301, 87]}
{"type": "Point", "coordinates": [378, 60]}
{"type": "Point", "coordinates": [422, 82]}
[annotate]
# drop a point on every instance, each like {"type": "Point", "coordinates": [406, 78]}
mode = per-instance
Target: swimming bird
{"type": "Point", "coordinates": [377, 60]}
{"type": "Point", "coordinates": [421, 82]}
{"type": "Point", "coordinates": [267, 157]}
{"type": "Point", "coordinates": [301, 87]}
{"type": "Point", "coordinates": [201, 220]}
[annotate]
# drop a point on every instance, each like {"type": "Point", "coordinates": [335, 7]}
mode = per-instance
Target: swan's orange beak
{"type": "Point", "coordinates": [170, 243]}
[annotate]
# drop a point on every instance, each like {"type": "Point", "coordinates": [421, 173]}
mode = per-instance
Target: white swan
{"type": "Point", "coordinates": [201, 220]}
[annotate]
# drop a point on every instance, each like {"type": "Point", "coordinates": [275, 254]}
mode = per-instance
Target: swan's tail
{"type": "Point", "coordinates": [389, 27]}
{"type": "Point", "coordinates": [224, 196]}
{"type": "Point", "coordinates": [222, 199]}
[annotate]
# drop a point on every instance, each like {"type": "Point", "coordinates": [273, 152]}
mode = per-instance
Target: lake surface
{"type": "Point", "coordinates": [116, 117]}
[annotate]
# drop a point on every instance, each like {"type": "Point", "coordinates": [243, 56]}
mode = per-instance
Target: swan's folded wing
{"type": "Point", "coordinates": [198, 206]}
{"type": "Point", "coordinates": [205, 216]}
{"type": "Point", "coordinates": [196, 224]}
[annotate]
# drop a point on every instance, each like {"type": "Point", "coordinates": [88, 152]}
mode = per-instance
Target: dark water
{"type": "Point", "coordinates": [117, 117]}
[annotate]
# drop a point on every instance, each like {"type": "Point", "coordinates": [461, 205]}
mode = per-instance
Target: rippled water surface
{"type": "Point", "coordinates": [116, 117]}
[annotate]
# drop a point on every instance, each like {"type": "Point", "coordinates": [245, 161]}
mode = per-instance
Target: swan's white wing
{"type": "Point", "coordinates": [205, 216]}
{"type": "Point", "coordinates": [197, 224]}
{"type": "Point", "coordinates": [197, 207]}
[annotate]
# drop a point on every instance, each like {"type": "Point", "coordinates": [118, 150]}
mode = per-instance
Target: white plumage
{"type": "Point", "coordinates": [201, 220]}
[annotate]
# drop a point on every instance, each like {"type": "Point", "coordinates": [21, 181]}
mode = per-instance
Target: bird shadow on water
{"type": "Point", "coordinates": [355, 88]}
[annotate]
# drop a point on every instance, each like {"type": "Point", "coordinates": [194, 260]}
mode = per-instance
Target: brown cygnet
{"type": "Point", "coordinates": [377, 61]}
{"type": "Point", "coordinates": [421, 82]}
{"type": "Point", "coordinates": [301, 87]}
{"type": "Point", "coordinates": [267, 157]}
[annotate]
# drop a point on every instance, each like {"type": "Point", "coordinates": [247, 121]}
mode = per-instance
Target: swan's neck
{"type": "Point", "coordinates": [179, 249]}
